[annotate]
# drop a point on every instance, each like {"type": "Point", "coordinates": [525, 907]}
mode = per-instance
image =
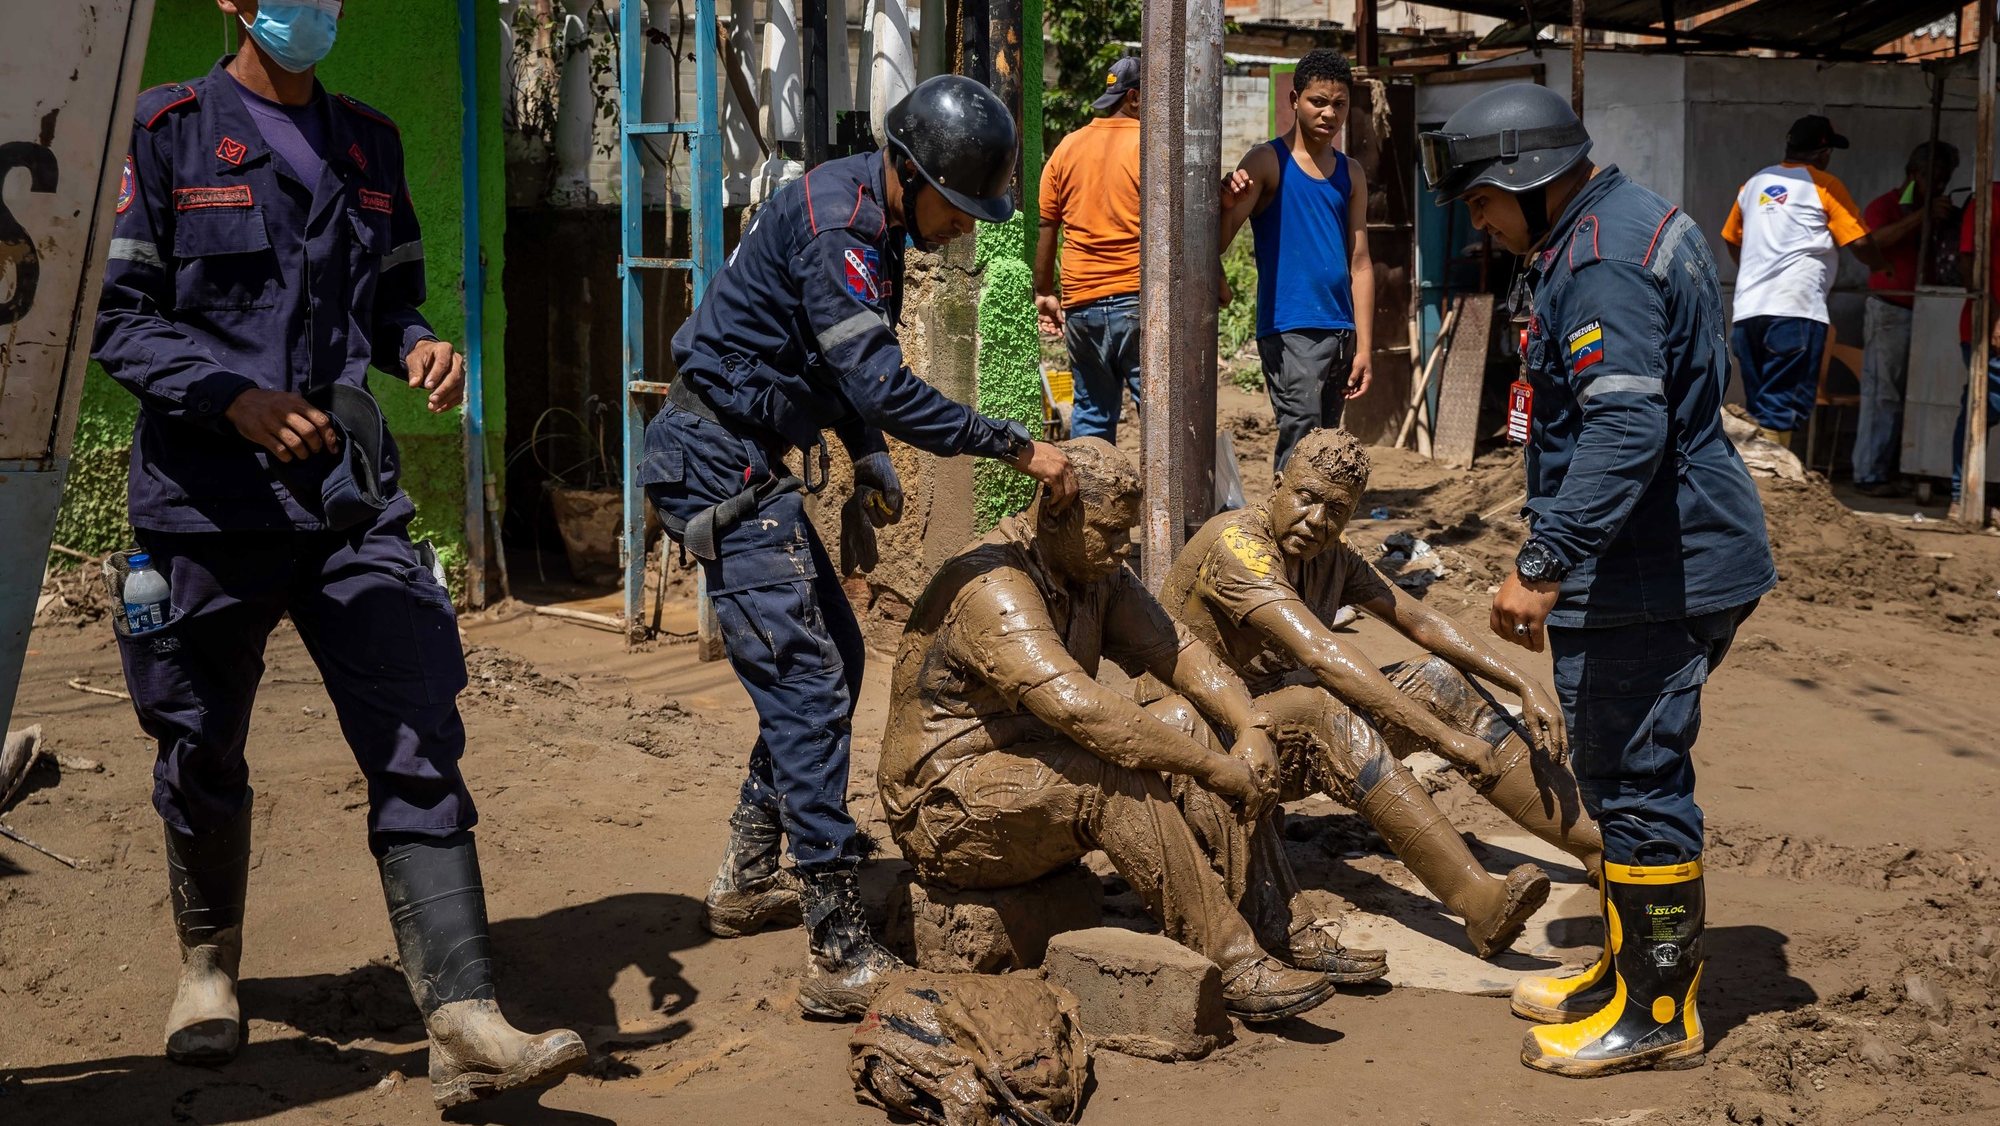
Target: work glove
{"type": "Point", "coordinates": [876, 486]}
{"type": "Point", "coordinates": [877, 502]}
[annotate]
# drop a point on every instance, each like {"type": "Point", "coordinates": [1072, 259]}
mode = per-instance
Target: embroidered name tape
{"type": "Point", "coordinates": [197, 199]}
{"type": "Point", "coordinates": [377, 201]}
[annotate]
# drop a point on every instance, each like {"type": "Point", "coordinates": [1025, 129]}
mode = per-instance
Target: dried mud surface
{"type": "Point", "coordinates": [1849, 773]}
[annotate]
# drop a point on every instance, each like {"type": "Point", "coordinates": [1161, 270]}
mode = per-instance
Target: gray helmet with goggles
{"type": "Point", "coordinates": [1519, 138]}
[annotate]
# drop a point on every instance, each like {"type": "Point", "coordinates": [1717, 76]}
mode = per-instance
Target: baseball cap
{"type": "Point", "coordinates": [1124, 76]}
{"type": "Point", "coordinates": [1813, 132]}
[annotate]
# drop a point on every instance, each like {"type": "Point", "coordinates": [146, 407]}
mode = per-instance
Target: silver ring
{"type": "Point", "coordinates": [1521, 630]}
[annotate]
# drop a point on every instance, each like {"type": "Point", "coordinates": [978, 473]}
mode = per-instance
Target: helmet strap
{"type": "Point", "coordinates": [1535, 209]}
{"type": "Point", "coordinates": [913, 182]}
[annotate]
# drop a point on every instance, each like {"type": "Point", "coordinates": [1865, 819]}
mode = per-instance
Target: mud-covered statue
{"type": "Point", "coordinates": [1259, 585]}
{"type": "Point", "coordinates": [1005, 758]}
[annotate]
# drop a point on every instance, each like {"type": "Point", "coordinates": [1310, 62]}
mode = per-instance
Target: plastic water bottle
{"type": "Point", "coordinates": [145, 596]}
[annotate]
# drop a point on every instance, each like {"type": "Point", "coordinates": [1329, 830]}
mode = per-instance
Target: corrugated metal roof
{"type": "Point", "coordinates": [1807, 27]}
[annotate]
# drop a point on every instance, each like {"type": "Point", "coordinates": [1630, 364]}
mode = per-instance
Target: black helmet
{"type": "Point", "coordinates": [963, 141]}
{"type": "Point", "coordinates": [1517, 138]}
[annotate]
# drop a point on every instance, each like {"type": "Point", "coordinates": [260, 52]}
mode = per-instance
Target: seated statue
{"type": "Point", "coordinates": [1259, 587]}
{"type": "Point", "coordinates": [1005, 759]}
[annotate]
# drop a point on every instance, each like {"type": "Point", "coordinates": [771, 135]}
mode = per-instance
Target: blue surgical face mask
{"type": "Point", "coordinates": [296, 35]}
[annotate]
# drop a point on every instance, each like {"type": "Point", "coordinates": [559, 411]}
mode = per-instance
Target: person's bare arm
{"type": "Point", "coordinates": [1346, 672]}
{"type": "Point", "coordinates": [1361, 270]}
{"type": "Point", "coordinates": [1245, 191]}
{"type": "Point", "coordinates": [1441, 635]}
{"type": "Point", "coordinates": [1048, 302]}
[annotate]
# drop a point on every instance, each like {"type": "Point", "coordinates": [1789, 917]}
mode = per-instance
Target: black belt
{"type": "Point", "coordinates": [700, 533]}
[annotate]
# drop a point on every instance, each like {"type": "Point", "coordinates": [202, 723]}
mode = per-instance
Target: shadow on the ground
{"type": "Point", "coordinates": [317, 1038]}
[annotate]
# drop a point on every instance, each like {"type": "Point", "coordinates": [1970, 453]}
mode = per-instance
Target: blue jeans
{"type": "Point", "coordinates": [1632, 698]}
{"type": "Point", "coordinates": [1103, 341]}
{"type": "Point", "coordinates": [1964, 406]}
{"type": "Point", "coordinates": [1885, 369]}
{"type": "Point", "coordinates": [1780, 360]}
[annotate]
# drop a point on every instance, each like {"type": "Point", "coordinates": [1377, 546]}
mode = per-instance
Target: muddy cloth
{"type": "Point", "coordinates": [378, 626]}
{"type": "Point", "coordinates": [981, 793]}
{"type": "Point", "coordinates": [1232, 566]}
{"type": "Point", "coordinates": [972, 1050]}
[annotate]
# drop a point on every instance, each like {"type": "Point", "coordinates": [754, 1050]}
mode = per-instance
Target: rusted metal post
{"type": "Point", "coordinates": [1973, 504]}
{"type": "Point", "coordinates": [1576, 57]}
{"type": "Point", "coordinates": [1177, 287]}
{"type": "Point", "coordinates": [1367, 40]}
{"type": "Point", "coordinates": [1003, 40]}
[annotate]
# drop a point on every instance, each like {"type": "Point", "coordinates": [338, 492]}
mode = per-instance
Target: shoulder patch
{"type": "Point", "coordinates": [155, 104]}
{"type": "Point", "coordinates": [128, 187]}
{"type": "Point", "coordinates": [864, 272]}
{"type": "Point", "coordinates": [365, 110]}
{"type": "Point", "coordinates": [1585, 347]}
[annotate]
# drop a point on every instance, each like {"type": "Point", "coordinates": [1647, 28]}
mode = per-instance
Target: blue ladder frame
{"type": "Point", "coordinates": [704, 136]}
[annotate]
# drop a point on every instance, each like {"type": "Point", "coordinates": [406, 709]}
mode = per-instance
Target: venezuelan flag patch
{"type": "Point", "coordinates": [1586, 347]}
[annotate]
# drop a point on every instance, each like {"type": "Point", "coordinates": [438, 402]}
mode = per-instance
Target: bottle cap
{"type": "Point", "coordinates": [140, 560]}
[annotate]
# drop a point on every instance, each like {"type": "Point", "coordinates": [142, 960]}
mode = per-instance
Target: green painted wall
{"type": "Point", "coordinates": [1010, 379]}
{"type": "Point", "coordinates": [402, 59]}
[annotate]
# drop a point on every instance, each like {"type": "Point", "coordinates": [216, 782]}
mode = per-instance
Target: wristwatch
{"type": "Point", "coordinates": [1538, 563]}
{"type": "Point", "coordinates": [1016, 441]}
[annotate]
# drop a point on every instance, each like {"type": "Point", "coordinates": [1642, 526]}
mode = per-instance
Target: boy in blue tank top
{"type": "Point", "coordinates": [1307, 205]}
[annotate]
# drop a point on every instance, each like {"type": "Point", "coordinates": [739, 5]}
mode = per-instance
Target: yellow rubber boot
{"type": "Point", "coordinates": [1654, 928]}
{"type": "Point", "coordinates": [1555, 998]}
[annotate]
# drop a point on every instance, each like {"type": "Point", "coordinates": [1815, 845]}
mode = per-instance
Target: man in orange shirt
{"type": "Point", "coordinates": [1090, 197]}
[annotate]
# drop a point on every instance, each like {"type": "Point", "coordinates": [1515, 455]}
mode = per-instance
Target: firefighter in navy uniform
{"type": "Point", "coordinates": [798, 335]}
{"type": "Point", "coordinates": [1646, 546]}
{"type": "Point", "coordinates": [265, 255]}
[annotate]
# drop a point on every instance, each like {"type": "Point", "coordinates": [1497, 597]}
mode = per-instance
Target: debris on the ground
{"type": "Point", "coordinates": [17, 757]}
{"type": "Point", "coordinates": [1764, 457]}
{"type": "Point", "coordinates": [1411, 563]}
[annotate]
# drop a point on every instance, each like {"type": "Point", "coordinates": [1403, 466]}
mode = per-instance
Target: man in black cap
{"type": "Point", "coordinates": [1785, 231]}
{"type": "Point", "coordinates": [1090, 198]}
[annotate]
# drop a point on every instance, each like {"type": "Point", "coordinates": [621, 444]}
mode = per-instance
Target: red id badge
{"type": "Point", "coordinates": [1520, 409]}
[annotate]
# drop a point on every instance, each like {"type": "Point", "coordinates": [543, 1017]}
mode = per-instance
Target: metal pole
{"type": "Point", "coordinates": [1367, 44]}
{"type": "Point", "coordinates": [631, 218]}
{"type": "Point", "coordinates": [474, 267]}
{"type": "Point", "coordinates": [813, 39]}
{"type": "Point", "coordinates": [1166, 273]}
{"type": "Point", "coordinates": [1201, 137]}
{"type": "Point", "coordinates": [1576, 57]}
{"type": "Point", "coordinates": [1973, 506]}
{"type": "Point", "coordinates": [1003, 39]}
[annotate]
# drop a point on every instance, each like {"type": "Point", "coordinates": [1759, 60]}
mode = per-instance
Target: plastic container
{"type": "Point", "coordinates": [145, 596]}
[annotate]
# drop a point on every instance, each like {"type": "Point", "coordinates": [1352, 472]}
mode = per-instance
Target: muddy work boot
{"type": "Point", "coordinates": [1549, 806]}
{"type": "Point", "coordinates": [437, 907]}
{"type": "Point", "coordinates": [1264, 989]}
{"type": "Point", "coordinates": [750, 891]}
{"type": "Point", "coordinates": [1285, 922]}
{"type": "Point", "coordinates": [207, 876]}
{"type": "Point", "coordinates": [1494, 910]}
{"type": "Point", "coordinates": [1654, 922]}
{"type": "Point", "coordinates": [844, 963]}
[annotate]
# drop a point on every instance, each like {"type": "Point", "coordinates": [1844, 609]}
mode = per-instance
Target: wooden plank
{"type": "Point", "coordinates": [1464, 379]}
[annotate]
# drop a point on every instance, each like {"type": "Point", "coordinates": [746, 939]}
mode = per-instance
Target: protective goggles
{"type": "Point", "coordinates": [1445, 153]}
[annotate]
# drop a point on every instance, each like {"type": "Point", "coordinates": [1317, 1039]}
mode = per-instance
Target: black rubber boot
{"type": "Point", "coordinates": [207, 876]}
{"type": "Point", "coordinates": [1655, 930]}
{"type": "Point", "coordinates": [844, 963]}
{"type": "Point", "coordinates": [437, 907]}
{"type": "Point", "coordinates": [750, 892]}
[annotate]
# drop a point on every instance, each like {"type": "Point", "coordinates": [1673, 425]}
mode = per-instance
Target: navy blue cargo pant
{"type": "Point", "coordinates": [791, 635]}
{"type": "Point", "coordinates": [375, 621]}
{"type": "Point", "coordinates": [1631, 696]}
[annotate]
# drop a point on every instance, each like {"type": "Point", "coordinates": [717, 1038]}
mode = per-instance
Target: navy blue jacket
{"type": "Point", "coordinates": [797, 333]}
{"type": "Point", "coordinates": [228, 273]}
{"type": "Point", "coordinates": [1631, 480]}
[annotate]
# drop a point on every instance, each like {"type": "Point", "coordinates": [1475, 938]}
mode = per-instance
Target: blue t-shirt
{"type": "Point", "coordinates": [1301, 244]}
{"type": "Point", "coordinates": [296, 133]}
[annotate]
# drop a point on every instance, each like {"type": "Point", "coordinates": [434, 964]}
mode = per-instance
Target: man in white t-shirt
{"type": "Point", "coordinates": [1785, 231]}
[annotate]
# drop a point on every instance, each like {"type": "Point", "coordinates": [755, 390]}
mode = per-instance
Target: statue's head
{"type": "Point", "coordinates": [1317, 493]}
{"type": "Point", "coordinates": [1092, 538]}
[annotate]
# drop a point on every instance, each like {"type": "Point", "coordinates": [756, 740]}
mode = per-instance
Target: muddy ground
{"type": "Point", "coordinates": [1849, 769]}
